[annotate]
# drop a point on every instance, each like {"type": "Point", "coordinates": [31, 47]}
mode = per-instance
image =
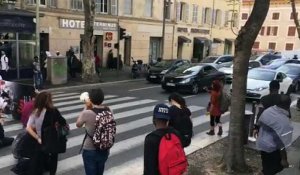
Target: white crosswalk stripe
{"type": "Point", "coordinates": [131, 112]}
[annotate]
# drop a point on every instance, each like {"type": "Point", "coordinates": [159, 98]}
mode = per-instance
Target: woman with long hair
{"type": "Point", "coordinates": [180, 118]}
{"type": "Point", "coordinates": [44, 115]}
{"type": "Point", "coordinates": [214, 107]}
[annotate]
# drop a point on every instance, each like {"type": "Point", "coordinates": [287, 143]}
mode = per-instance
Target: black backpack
{"type": "Point", "coordinates": [185, 128]}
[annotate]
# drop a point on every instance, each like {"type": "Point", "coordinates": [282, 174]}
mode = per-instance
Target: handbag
{"type": "Point", "coordinates": [55, 138]}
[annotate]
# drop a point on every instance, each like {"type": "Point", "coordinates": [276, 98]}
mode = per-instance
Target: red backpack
{"type": "Point", "coordinates": [171, 156]}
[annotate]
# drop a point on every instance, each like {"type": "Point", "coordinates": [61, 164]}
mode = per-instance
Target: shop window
{"type": "Point", "coordinates": [127, 7]}
{"type": "Point", "coordinates": [292, 31]}
{"type": "Point", "coordinates": [148, 8]}
{"type": "Point", "coordinates": [76, 5]}
{"type": "Point", "coordinates": [262, 31]}
{"type": "Point", "coordinates": [256, 45]}
{"type": "Point", "coordinates": [195, 13]}
{"type": "Point", "coordinates": [244, 16]}
{"type": "Point", "coordinates": [292, 16]}
{"type": "Point", "coordinates": [275, 16]}
{"type": "Point", "coordinates": [289, 46]}
{"type": "Point", "coordinates": [272, 46]}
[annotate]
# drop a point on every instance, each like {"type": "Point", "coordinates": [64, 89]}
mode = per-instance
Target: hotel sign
{"type": "Point", "coordinates": [79, 24]}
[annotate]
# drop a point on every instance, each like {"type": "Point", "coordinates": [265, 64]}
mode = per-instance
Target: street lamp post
{"type": "Point", "coordinates": [37, 28]}
{"type": "Point", "coordinates": [163, 29]}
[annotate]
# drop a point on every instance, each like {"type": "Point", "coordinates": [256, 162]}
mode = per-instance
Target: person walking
{"type": "Point", "coordinates": [44, 115]}
{"type": "Point", "coordinates": [73, 63]}
{"type": "Point", "coordinates": [97, 63]}
{"type": "Point", "coordinates": [214, 108]}
{"type": "Point", "coordinates": [4, 141]}
{"type": "Point", "coordinates": [93, 158]}
{"type": "Point", "coordinates": [37, 74]}
{"type": "Point", "coordinates": [180, 118]}
{"type": "Point", "coordinates": [4, 66]}
{"type": "Point", "coordinates": [275, 135]}
{"type": "Point", "coordinates": [154, 148]}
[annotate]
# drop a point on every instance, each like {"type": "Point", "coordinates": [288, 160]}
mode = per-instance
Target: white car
{"type": "Point", "coordinates": [218, 61]}
{"type": "Point", "coordinates": [259, 79]}
{"type": "Point", "coordinates": [228, 71]}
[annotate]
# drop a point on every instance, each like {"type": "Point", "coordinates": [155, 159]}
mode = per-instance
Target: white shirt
{"type": "Point", "coordinates": [4, 62]}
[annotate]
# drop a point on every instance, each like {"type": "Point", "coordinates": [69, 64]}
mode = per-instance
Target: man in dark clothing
{"type": "Point", "coordinates": [152, 140]}
{"type": "Point", "coordinates": [4, 141]}
{"type": "Point", "coordinates": [73, 63]}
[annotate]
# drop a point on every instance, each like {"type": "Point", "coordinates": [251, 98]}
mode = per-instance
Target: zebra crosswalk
{"type": "Point", "coordinates": [134, 121]}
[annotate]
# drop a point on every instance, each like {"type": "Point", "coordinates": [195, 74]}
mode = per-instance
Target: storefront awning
{"type": "Point", "coordinates": [229, 40]}
{"type": "Point", "coordinates": [217, 40]}
{"type": "Point", "coordinates": [183, 39]}
{"type": "Point", "coordinates": [201, 39]}
{"type": "Point", "coordinates": [16, 21]}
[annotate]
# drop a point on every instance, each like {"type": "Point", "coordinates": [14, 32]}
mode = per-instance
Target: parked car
{"type": "Point", "coordinates": [228, 71]}
{"type": "Point", "coordinates": [158, 70]}
{"type": "Point", "coordinates": [259, 79]}
{"type": "Point", "coordinates": [218, 61]}
{"type": "Point", "coordinates": [266, 58]}
{"type": "Point", "coordinates": [191, 78]}
{"type": "Point", "coordinates": [292, 71]}
{"type": "Point", "coordinates": [279, 62]}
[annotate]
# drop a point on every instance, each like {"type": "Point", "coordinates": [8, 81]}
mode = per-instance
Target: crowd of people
{"type": "Point", "coordinates": [163, 146]}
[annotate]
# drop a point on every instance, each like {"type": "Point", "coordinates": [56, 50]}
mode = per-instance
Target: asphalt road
{"type": "Point", "coordinates": [132, 104]}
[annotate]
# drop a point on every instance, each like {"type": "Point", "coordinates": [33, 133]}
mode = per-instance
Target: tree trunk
{"type": "Point", "coordinates": [88, 72]}
{"type": "Point", "coordinates": [234, 155]}
{"type": "Point", "coordinates": [295, 16]}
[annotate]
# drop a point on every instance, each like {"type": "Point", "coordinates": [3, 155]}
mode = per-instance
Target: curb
{"type": "Point", "coordinates": [76, 87]}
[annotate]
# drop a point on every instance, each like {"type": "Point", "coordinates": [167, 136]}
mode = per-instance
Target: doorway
{"type": "Point", "coordinates": [155, 49]}
{"type": "Point", "coordinates": [127, 50]}
{"type": "Point", "coordinates": [44, 42]}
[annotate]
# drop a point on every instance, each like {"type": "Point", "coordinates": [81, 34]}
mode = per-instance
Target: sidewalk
{"type": "Point", "coordinates": [107, 75]}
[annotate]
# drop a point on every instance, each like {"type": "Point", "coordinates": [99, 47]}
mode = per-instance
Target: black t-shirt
{"type": "Point", "coordinates": [181, 121]}
{"type": "Point", "coordinates": [151, 149]}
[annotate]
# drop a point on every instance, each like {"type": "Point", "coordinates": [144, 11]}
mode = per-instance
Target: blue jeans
{"type": "Point", "coordinates": [94, 161]}
{"type": "Point", "coordinates": [38, 80]}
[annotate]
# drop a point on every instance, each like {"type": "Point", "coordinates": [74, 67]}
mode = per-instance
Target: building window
{"type": "Point", "coordinates": [275, 16]}
{"type": "Point", "coordinates": [218, 17]}
{"type": "Point", "coordinates": [114, 7]}
{"type": "Point", "coordinates": [207, 15]}
{"type": "Point", "coordinates": [76, 5]}
{"type": "Point", "coordinates": [127, 7]}
{"type": "Point", "coordinates": [292, 16]}
{"type": "Point", "coordinates": [168, 10]}
{"type": "Point", "coordinates": [184, 12]}
{"type": "Point", "coordinates": [262, 31]}
{"type": "Point", "coordinates": [235, 20]}
{"type": "Point", "coordinates": [292, 31]}
{"type": "Point", "coordinates": [148, 8]}
{"type": "Point", "coordinates": [289, 46]}
{"type": "Point", "coordinates": [195, 13]}
{"type": "Point", "coordinates": [272, 46]}
{"type": "Point", "coordinates": [226, 18]}
{"type": "Point", "coordinates": [244, 16]}
{"type": "Point", "coordinates": [52, 3]}
{"type": "Point", "coordinates": [272, 31]}
{"type": "Point", "coordinates": [101, 6]}
{"type": "Point", "coordinates": [256, 45]}
{"type": "Point", "coordinates": [33, 2]}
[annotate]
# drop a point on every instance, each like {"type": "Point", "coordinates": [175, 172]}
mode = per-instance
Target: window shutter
{"type": "Point", "coordinates": [275, 31]}
{"type": "Point", "coordinates": [196, 15]}
{"type": "Point", "coordinates": [113, 7]}
{"type": "Point", "coordinates": [203, 16]}
{"type": "Point", "coordinates": [178, 11]}
{"type": "Point", "coordinates": [226, 16]}
{"type": "Point", "coordinates": [187, 12]}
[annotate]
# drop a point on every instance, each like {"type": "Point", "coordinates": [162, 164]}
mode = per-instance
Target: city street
{"type": "Point", "coordinates": [132, 104]}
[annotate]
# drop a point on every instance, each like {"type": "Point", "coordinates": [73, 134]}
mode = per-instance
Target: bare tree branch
{"type": "Point", "coordinates": [295, 16]}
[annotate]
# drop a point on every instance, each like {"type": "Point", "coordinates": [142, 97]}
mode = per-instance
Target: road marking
{"type": "Point", "coordinates": [135, 166]}
{"type": "Point", "coordinates": [151, 87]}
{"type": "Point", "coordinates": [65, 94]}
{"type": "Point", "coordinates": [77, 97]}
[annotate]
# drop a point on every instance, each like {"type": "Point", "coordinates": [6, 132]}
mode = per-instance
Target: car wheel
{"type": "Point", "coordinates": [195, 88]}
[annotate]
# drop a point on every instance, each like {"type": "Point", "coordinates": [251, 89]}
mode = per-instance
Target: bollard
{"type": "Point", "coordinates": [246, 128]}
